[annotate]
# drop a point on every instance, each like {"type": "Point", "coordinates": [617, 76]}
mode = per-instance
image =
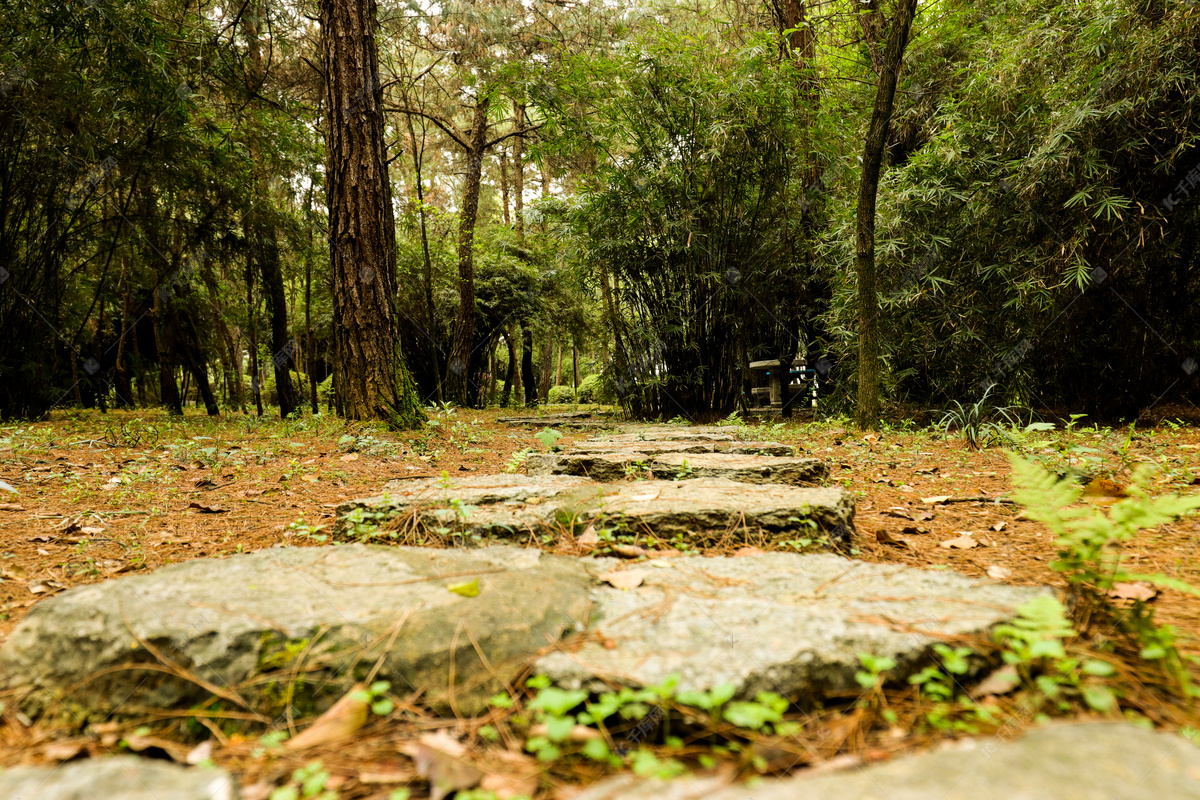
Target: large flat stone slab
{"type": "Point", "coordinates": [656, 446]}
{"type": "Point", "coordinates": [325, 614]}
{"type": "Point", "coordinates": [782, 622]}
{"type": "Point", "coordinates": [121, 778]}
{"type": "Point", "coordinates": [700, 510]}
{"type": "Point", "coordinates": [674, 466]}
{"type": "Point", "coordinates": [1098, 761]}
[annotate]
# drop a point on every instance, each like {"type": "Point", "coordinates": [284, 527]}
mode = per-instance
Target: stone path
{"type": "Point", "coordinates": [1065, 762]}
{"type": "Point", "coordinates": [786, 622]}
{"type": "Point", "coordinates": [225, 621]}
{"type": "Point", "coordinates": [121, 778]}
{"type": "Point", "coordinates": [736, 467]}
{"type": "Point", "coordinates": [457, 624]}
{"type": "Point", "coordinates": [702, 511]}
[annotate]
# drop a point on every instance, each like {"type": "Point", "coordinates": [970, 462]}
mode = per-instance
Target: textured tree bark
{"type": "Point", "coordinates": [371, 377]}
{"type": "Point", "coordinates": [460, 371]}
{"type": "Point", "coordinates": [518, 176]}
{"type": "Point", "coordinates": [869, 404]}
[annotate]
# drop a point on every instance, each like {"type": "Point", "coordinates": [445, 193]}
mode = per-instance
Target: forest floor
{"type": "Point", "coordinates": [101, 496]}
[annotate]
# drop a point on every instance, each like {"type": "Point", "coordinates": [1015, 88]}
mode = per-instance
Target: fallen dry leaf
{"type": "Point", "coordinates": [883, 537]}
{"type": "Point", "coordinates": [11, 507]}
{"type": "Point", "coordinates": [338, 724]}
{"type": "Point", "coordinates": [203, 509]}
{"type": "Point", "coordinates": [897, 511]}
{"type": "Point", "coordinates": [999, 526]}
{"type": "Point", "coordinates": [513, 774]}
{"type": "Point", "coordinates": [91, 530]}
{"type": "Point", "coordinates": [629, 551]}
{"type": "Point", "coordinates": [963, 542]}
{"type": "Point", "coordinates": [748, 551]}
{"type": "Point", "coordinates": [12, 572]}
{"type": "Point", "coordinates": [999, 573]}
{"type": "Point", "coordinates": [935, 500]}
{"type": "Point", "coordinates": [439, 760]}
{"type": "Point", "coordinates": [625, 579]}
{"type": "Point", "coordinates": [45, 587]}
{"type": "Point", "coordinates": [1002, 681]}
{"type": "Point", "coordinates": [392, 776]}
{"type": "Point", "coordinates": [1102, 487]}
{"type": "Point", "coordinates": [925, 516]}
{"type": "Point", "coordinates": [913, 529]}
{"type": "Point", "coordinates": [1132, 591]}
{"type": "Point", "coordinates": [201, 752]}
{"type": "Point", "coordinates": [349, 457]}
{"type": "Point", "coordinates": [62, 751]}
{"type": "Point", "coordinates": [589, 537]}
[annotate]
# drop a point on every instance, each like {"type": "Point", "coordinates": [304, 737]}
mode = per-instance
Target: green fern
{"type": "Point", "coordinates": [1087, 536]}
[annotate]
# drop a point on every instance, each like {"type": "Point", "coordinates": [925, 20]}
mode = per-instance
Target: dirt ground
{"type": "Point", "coordinates": [99, 496]}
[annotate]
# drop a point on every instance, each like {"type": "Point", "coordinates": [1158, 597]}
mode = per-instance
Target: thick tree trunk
{"type": "Point", "coordinates": [371, 376]}
{"type": "Point", "coordinates": [459, 372]}
{"type": "Point", "coordinates": [869, 406]}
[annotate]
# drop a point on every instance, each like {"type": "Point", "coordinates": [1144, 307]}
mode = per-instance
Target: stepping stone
{"type": "Point", "coordinates": [119, 778]}
{"type": "Point", "coordinates": [1094, 761]}
{"type": "Point", "coordinates": [317, 620]}
{"type": "Point", "coordinates": [575, 419]}
{"type": "Point", "coordinates": [701, 511]}
{"type": "Point", "coordinates": [326, 615]}
{"type": "Point", "coordinates": [653, 447]}
{"type": "Point", "coordinates": [734, 467]}
{"type": "Point", "coordinates": [781, 622]}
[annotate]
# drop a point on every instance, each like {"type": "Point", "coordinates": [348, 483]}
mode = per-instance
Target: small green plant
{"type": "Point", "coordinates": [683, 471]}
{"type": "Point", "coordinates": [548, 437]}
{"type": "Point", "coordinates": [308, 783]}
{"type": "Point", "coordinates": [517, 460]}
{"type": "Point", "coordinates": [302, 528]}
{"type": "Point", "coordinates": [375, 696]}
{"type": "Point", "coordinates": [982, 423]}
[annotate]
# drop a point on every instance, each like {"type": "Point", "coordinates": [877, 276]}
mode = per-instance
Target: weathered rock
{"type": "Point", "coordinates": [121, 778]}
{"type": "Point", "coordinates": [1098, 761]}
{"type": "Point", "coordinates": [573, 419]}
{"type": "Point", "coordinates": [781, 622]}
{"type": "Point", "coordinates": [732, 466]}
{"type": "Point", "coordinates": [328, 614]}
{"type": "Point", "coordinates": [654, 447]}
{"type": "Point", "coordinates": [513, 505]}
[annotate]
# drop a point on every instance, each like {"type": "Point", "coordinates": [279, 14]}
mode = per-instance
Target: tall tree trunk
{"type": "Point", "coordinates": [575, 363]}
{"type": "Point", "coordinates": [310, 348]}
{"type": "Point", "coordinates": [504, 184]}
{"type": "Point", "coordinates": [544, 369]}
{"type": "Point", "coordinates": [510, 374]}
{"type": "Point", "coordinates": [527, 374]}
{"type": "Point", "coordinates": [372, 378]}
{"type": "Point", "coordinates": [265, 246]}
{"type": "Point", "coordinates": [124, 385]}
{"type": "Point", "coordinates": [518, 176]}
{"type": "Point", "coordinates": [869, 404]}
{"type": "Point", "coordinates": [431, 335]}
{"type": "Point", "coordinates": [459, 372]}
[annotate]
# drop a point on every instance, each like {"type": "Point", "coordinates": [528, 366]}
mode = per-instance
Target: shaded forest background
{"type": "Point", "coordinates": [665, 192]}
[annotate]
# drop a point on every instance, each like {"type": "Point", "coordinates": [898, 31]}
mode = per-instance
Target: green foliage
{"type": "Point", "coordinates": [561, 395]}
{"type": "Point", "coordinates": [981, 423]}
{"type": "Point", "coordinates": [1088, 537]}
{"type": "Point", "coordinates": [548, 436]}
